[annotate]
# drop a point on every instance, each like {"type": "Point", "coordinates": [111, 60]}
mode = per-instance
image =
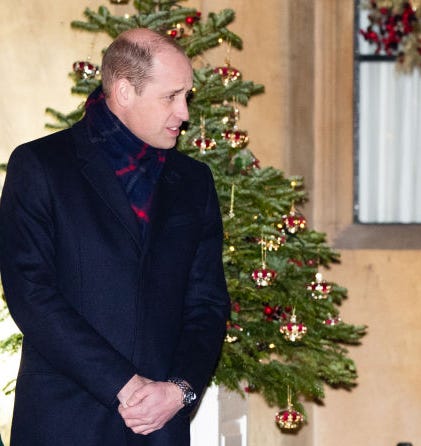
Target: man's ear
{"type": "Point", "coordinates": [123, 90]}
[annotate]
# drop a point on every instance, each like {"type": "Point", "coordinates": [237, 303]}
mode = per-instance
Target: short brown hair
{"type": "Point", "coordinates": [132, 60]}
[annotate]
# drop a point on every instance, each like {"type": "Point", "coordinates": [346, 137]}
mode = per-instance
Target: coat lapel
{"type": "Point", "coordinates": [169, 178]}
{"type": "Point", "coordinates": [97, 171]}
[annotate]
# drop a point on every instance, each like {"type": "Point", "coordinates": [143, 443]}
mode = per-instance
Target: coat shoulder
{"type": "Point", "coordinates": [189, 166]}
{"type": "Point", "coordinates": [47, 147]}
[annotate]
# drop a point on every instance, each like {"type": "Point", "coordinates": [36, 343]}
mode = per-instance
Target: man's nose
{"type": "Point", "coordinates": [182, 111]}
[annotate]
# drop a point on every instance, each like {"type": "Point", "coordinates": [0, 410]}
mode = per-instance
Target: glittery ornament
{"type": "Point", "coordinates": [236, 138]}
{"type": "Point", "coordinates": [331, 321]}
{"type": "Point", "coordinates": [293, 331]}
{"type": "Point", "coordinates": [204, 143]}
{"type": "Point", "coordinates": [263, 276]}
{"type": "Point", "coordinates": [231, 213]}
{"type": "Point", "coordinates": [85, 70]}
{"type": "Point", "coordinates": [292, 223]}
{"type": "Point", "coordinates": [227, 73]}
{"type": "Point", "coordinates": [231, 337]}
{"type": "Point", "coordinates": [289, 419]}
{"type": "Point", "coordinates": [319, 288]}
{"type": "Point", "coordinates": [177, 32]}
{"type": "Point", "coordinates": [272, 243]}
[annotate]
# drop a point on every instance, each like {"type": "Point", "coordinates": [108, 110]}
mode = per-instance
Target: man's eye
{"type": "Point", "coordinates": [189, 96]}
{"type": "Point", "coordinates": [171, 97]}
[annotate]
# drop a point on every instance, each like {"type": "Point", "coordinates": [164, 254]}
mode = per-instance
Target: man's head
{"type": "Point", "coordinates": [146, 78]}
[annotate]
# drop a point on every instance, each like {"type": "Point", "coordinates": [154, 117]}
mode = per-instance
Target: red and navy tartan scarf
{"type": "Point", "coordinates": [136, 164]}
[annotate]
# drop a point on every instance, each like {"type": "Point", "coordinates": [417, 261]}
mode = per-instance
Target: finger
{"type": "Point", "coordinates": [137, 397]}
{"type": "Point", "coordinates": [145, 429]}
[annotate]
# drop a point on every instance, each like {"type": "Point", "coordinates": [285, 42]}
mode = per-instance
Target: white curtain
{"type": "Point", "coordinates": [389, 148]}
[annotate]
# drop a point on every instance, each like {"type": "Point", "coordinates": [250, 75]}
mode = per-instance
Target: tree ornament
{"type": "Point", "coordinates": [119, 2]}
{"type": "Point", "coordinates": [293, 331]}
{"type": "Point", "coordinates": [228, 74]}
{"type": "Point", "coordinates": [331, 321]}
{"type": "Point", "coordinates": [192, 19]}
{"type": "Point", "coordinates": [290, 418]}
{"type": "Point", "coordinates": [85, 69]}
{"type": "Point", "coordinates": [272, 313]}
{"type": "Point", "coordinates": [263, 276]}
{"type": "Point", "coordinates": [231, 211]}
{"type": "Point", "coordinates": [230, 338]}
{"type": "Point", "coordinates": [243, 162]}
{"type": "Point", "coordinates": [319, 288]}
{"type": "Point", "coordinates": [293, 222]}
{"type": "Point", "coordinates": [237, 138]}
{"type": "Point", "coordinates": [203, 143]}
{"type": "Point", "coordinates": [272, 243]}
{"type": "Point", "coordinates": [176, 32]}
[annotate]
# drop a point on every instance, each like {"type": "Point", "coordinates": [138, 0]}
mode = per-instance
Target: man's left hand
{"type": "Point", "coordinates": [151, 406]}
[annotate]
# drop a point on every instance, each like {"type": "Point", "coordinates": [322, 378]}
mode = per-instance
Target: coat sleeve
{"type": "Point", "coordinates": [207, 303]}
{"type": "Point", "coordinates": [27, 261]}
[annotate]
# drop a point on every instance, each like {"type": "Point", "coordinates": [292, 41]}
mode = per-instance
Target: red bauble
{"type": "Point", "coordinates": [192, 19]}
{"type": "Point", "coordinates": [268, 310]}
{"type": "Point", "coordinates": [236, 307]}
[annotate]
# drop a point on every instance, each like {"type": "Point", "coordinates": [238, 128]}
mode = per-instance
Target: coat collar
{"type": "Point", "coordinates": [96, 170]}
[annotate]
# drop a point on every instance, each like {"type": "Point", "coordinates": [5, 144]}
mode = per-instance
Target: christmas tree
{"type": "Point", "coordinates": [285, 338]}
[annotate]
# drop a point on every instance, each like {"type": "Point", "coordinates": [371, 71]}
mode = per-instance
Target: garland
{"type": "Point", "coordinates": [395, 30]}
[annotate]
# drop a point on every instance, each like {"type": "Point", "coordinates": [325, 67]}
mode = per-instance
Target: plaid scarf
{"type": "Point", "coordinates": [136, 164]}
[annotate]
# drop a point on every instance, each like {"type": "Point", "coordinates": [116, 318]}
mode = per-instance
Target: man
{"type": "Point", "coordinates": [111, 263]}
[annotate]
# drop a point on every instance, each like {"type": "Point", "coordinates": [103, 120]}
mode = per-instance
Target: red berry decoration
{"type": "Point", "coordinates": [389, 27]}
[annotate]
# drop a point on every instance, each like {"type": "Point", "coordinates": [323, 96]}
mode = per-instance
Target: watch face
{"type": "Point", "coordinates": [189, 397]}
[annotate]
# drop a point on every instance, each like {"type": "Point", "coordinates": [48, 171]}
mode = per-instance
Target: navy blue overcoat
{"type": "Point", "coordinates": [95, 303]}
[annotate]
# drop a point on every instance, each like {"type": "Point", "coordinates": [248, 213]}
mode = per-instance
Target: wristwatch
{"type": "Point", "coordinates": [188, 395]}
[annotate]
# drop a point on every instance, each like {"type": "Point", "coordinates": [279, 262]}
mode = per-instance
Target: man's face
{"type": "Point", "coordinates": [155, 116]}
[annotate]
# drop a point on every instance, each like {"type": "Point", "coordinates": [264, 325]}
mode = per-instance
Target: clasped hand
{"type": "Point", "coordinates": [147, 405]}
